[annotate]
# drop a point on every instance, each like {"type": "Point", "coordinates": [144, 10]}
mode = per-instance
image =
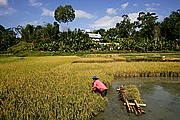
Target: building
{"type": "Point", "coordinates": [95, 37]}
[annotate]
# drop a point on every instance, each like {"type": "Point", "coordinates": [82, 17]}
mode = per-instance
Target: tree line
{"type": "Point", "coordinates": [143, 35]}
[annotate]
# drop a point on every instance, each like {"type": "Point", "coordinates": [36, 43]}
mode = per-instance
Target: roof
{"type": "Point", "coordinates": [96, 36]}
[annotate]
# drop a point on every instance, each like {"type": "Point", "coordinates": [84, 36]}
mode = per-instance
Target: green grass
{"type": "Point", "coordinates": [10, 59]}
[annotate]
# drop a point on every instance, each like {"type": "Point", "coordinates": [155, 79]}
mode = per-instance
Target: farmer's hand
{"type": "Point", "coordinates": [92, 89]}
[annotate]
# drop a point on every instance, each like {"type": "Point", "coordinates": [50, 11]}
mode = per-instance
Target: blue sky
{"type": "Point", "coordinates": [90, 14]}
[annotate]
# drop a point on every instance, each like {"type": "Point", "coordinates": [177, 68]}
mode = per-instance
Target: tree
{"type": "Point", "coordinates": [7, 38]}
{"type": "Point", "coordinates": [170, 30]}
{"type": "Point", "coordinates": [125, 28]}
{"type": "Point", "coordinates": [111, 34]}
{"type": "Point", "coordinates": [64, 14]}
{"type": "Point", "coordinates": [26, 32]}
{"type": "Point", "coordinates": [146, 23]}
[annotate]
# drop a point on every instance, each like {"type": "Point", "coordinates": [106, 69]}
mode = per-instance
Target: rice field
{"type": "Point", "coordinates": [57, 87]}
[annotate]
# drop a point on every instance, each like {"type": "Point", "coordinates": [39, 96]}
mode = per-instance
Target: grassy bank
{"type": "Point", "coordinates": [88, 53]}
{"type": "Point", "coordinates": [57, 87]}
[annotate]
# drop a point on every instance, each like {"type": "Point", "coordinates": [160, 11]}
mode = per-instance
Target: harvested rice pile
{"type": "Point", "coordinates": [131, 97]}
{"type": "Point", "coordinates": [131, 92]}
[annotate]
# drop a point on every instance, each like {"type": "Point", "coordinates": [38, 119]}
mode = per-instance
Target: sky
{"type": "Point", "coordinates": [90, 14]}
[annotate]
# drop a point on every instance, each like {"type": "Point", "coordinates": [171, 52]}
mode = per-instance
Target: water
{"type": "Point", "coordinates": [161, 95]}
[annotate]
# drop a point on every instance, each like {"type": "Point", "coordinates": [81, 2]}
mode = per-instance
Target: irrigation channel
{"type": "Point", "coordinates": [161, 94]}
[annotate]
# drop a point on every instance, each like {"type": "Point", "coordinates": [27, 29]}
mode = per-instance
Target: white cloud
{"type": "Point", "coordinates": [6, 11]}
{"type": "Point", "coordinates": [35, 3]}
{"type": "Point", "coordinates": [83, 14]}
{"type": "Point", "coordinates": [106, 22]}
{"type": "Point", "coordinates": [3, 2]}
{"type": "Point", "coordinates": [151, 7]}
{"type": "Point", "coordinates": [35, 22]}
{"type": "Point", "coordinates": [125, 5]}
{"type": "Point", "coordinates": [133, 16]}
{"type": "Point", "coordinates": [160, 18]}
{"type": "Point", "coordinates": [46, 12]}
{"type": "Point", "coordinates": [110, 21]}
{"type": "Point", "coordinates": [135, 4]}
{"type": "Point", "coordinates": [111, 11]}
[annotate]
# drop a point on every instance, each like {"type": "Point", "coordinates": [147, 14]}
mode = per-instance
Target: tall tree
{"type": "Point", "coordinates": [64, 14]}
{"type": "Point", "coordinates": [7, 38]}
{"type": "Point", "coordinates": [125, 27]}
{"type": "Point", "coordinates": [146, 23]}
{"type": "Point", "coordinates": [170, 30]}
{"type": "Point", "coordinates": [26, 32]}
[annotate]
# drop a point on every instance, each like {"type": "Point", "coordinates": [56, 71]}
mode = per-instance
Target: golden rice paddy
{"type": "Point", "coordinates": [58, 88]}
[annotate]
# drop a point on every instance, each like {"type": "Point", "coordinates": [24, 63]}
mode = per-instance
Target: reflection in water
{"type": "Point", "coordinates": [161, 95]}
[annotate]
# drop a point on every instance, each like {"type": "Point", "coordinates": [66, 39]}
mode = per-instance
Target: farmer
{"type": "Point", "coordinates": [99, 87]}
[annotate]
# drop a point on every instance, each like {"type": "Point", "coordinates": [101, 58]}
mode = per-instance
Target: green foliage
{"type": "Point", "coordinates": [7, 38]}
{"type": "Point", "coordinates": [125, 28]}
{"type": "Point", "coordinates": [64, 14]}
{"type": "Point", "coordinates": [170, 30]}
{"type": "Point", "coordinates": [22, 46]}
{"type": "Point", "coordinates": [143, 35]}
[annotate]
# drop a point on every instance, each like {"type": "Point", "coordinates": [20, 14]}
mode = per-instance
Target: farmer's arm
{"type": "Point", "coordinates": [93, 88]}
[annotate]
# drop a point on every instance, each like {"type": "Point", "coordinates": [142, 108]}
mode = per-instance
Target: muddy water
{"type": "Point", "coordinates": [162, 96]}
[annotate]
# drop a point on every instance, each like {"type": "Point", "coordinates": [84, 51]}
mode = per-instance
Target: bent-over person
{"type": "Point", "coordinates": [99, 87]}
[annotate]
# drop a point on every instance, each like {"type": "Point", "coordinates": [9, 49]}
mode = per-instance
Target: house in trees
{"type": "Point", "coordinates": [95, 37]}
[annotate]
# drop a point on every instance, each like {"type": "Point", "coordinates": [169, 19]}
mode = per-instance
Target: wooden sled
{"type": "Point", "coordinates": [133, 105]}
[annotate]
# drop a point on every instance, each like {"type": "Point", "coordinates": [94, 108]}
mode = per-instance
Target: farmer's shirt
{"type": "Point", "coordinates": [99, 85]}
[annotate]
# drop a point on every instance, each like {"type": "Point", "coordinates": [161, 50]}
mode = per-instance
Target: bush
{"type": "Point", "coordinates": [20, 47]}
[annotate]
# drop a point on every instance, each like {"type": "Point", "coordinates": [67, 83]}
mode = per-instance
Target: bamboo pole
{"type": "Point", "coordinates": [127, 104]}
{"type": "Point", "coordinates": [138, 107]}
{"type": "Point", "coordinates": [131, 108]}
{"type": "Point", "coordinates": [136, 104]}
{"type": "Point", "coordinates": [142, 111]}
{"type": "Point", "coordinates": [135, 111]}
{"type": "Point", "coordinates": [141, 105]}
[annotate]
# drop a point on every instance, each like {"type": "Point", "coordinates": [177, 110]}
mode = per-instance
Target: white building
{"type": "Point", "coordinates": [95, 37]}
